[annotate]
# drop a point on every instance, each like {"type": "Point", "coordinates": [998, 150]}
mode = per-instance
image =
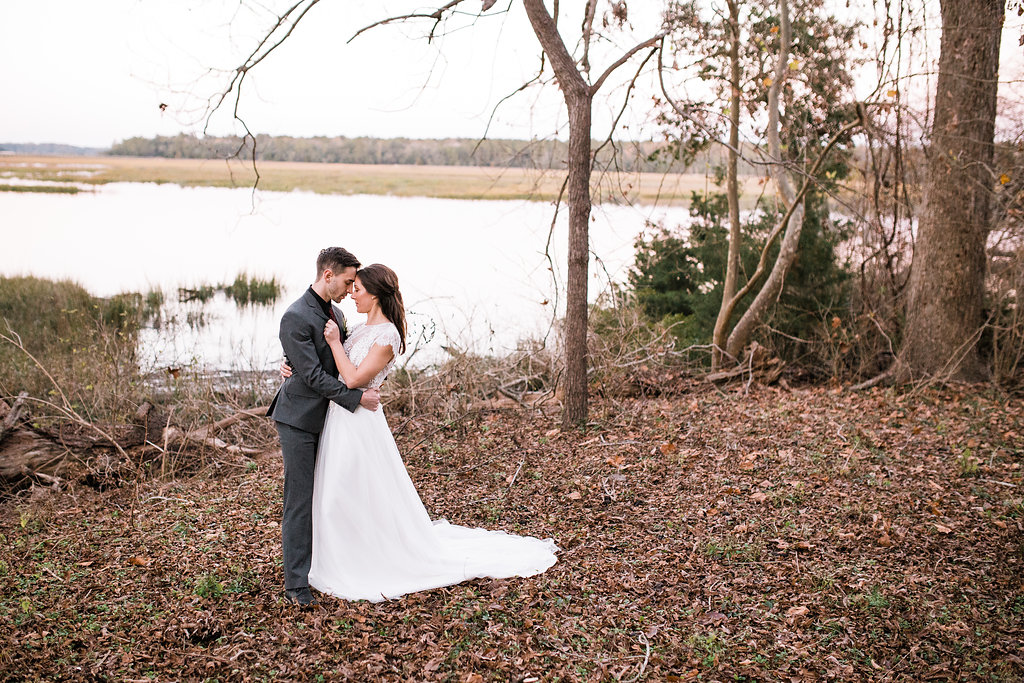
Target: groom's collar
{"type": "Point", "coordinates": [325, 306]}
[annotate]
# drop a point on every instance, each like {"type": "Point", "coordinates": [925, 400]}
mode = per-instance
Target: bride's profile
{"type": "Point", "coordinates": [372, 537]}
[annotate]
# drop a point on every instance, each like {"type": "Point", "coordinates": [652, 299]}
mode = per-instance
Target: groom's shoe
{"type": "Point", "coordinates": [300, 596]}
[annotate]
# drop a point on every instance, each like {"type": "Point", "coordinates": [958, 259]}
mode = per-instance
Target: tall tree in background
{"type": "Point", "coordinates": [945, 302]}
{"type": "Point", "coordinates": [801, 86]}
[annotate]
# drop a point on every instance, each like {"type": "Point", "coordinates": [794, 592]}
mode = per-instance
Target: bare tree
{"type": "Point", "coordinates": [572, 76]}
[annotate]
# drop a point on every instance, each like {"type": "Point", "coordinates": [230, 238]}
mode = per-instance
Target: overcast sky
{"type": "Point", "coordinates": [92, 73]}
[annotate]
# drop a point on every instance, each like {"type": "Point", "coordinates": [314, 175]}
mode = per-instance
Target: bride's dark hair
{"type": "Point", "coordinates": [381, 281]}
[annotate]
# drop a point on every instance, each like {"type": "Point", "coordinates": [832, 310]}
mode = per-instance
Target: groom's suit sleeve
{"type": "Point", "coordinates": [298, 347]}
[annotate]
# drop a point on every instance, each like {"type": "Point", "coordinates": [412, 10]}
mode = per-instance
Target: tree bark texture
{"type": "Point", "coordinates": [769, 292]}
{"type": "Point", "coordinates": [578, 97]}
{"type": "Point", "coordinates": [732, 267]}
{"type": "Point", "coordinates": [945, 302]}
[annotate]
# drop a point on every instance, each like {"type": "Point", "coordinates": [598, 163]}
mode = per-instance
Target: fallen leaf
{"type": "Point", "coordinates": [575, 495]}
{"type": "Point", "coordinates": [758, 496]}
{"type": "Point", "coordinates": [140, 561]}
{"type": "Point", "coordinates": [667, 448]}
{"type": "Point", "coordinates": [943, 529]}
{"type": "Point", "coordinates": [797, 611]}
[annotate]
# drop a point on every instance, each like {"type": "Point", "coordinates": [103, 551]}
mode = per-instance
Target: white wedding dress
{"type": "Point", "coordinates": [372, 537]}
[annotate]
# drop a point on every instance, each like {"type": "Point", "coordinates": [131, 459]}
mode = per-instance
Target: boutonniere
{"type": "Point", "coordinates": [343, 324]}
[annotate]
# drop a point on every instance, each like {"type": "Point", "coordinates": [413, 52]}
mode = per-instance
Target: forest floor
{"type": "Point", "coordinates": [780, 535]}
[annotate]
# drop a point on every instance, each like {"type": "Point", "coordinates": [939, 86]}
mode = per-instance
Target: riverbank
{"type": "Point", "coordinates": [44, 173]}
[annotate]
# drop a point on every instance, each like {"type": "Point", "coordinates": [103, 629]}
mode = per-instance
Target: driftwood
{"type": "Point", "coordinates": [175, 437]}
{"type": "Point", "coordinates": [757, 366]}
{"type": "Point", "coordinates": [10, 414]}
{"type": "Point", "coordinates": [43, 454]}
{"type": "Point", "coordinates": [23, 449]}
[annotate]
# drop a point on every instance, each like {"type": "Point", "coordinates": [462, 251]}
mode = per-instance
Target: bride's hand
{"type": "Point", "coordinates": [332, 332]}
{"type": "Point", "coordinates": [285, 369]}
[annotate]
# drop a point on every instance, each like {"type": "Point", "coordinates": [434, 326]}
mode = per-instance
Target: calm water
{"type": "Point", "coordinates": [473, 270]}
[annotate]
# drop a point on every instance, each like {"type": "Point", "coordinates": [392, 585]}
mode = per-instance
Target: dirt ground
{"type": "Point", "coordinates": [780, 535]}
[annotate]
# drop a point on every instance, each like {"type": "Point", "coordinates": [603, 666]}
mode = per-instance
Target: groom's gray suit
{"type": "Point", "coordinates": [299, 408]}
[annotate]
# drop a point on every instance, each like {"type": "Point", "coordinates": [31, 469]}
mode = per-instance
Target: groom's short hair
{"type": "Point", "coordinates": [335, 258]}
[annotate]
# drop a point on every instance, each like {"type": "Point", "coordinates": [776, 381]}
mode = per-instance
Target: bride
{"type": "Point", "coordinates": [372, 537]}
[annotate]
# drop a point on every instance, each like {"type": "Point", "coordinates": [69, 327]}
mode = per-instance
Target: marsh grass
{"type": "Point", "coordinates": [253, 290]}
{"type": "Point", "coordinates": [451, 182]}
{"type": "Point", "coordinates": [87, 344]}
{"type": "Point", "coordinates": [53, 189]}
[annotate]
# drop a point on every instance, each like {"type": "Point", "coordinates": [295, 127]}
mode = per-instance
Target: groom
{"type": "Point", "coordinates": [301, 406]}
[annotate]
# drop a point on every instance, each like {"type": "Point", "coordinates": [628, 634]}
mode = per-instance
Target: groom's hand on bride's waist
{"type": "Point", "coordinates": [370, 399]}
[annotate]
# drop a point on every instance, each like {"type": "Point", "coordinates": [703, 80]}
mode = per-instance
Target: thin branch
{"type": "Point", "coordinates": [650, 42]}
{"type": "Point", "coordinates": [625, 102]}
{"type": "Point", "coordinates": [588, 31]}
{"type": "Point", "coordinates": [436, 15]}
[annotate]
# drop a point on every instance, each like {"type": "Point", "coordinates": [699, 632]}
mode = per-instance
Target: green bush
{"type": "Point", "coordinates": [679, 273]}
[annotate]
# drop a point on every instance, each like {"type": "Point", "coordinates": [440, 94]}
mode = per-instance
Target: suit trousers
{"type": "Point", "coordinates": [298, 448]}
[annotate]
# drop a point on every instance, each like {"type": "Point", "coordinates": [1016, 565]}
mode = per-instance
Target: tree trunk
{"type": "Point", "coordinates": [575, 412]}
{"type": "Point", "coordinates": [732, 267]}
{"type": "Point", "coordinates": [945, 303]}
{"type": "Point", "coordinates": [578, 97]}
{"type": "Point", "coordinates": [769, 292]}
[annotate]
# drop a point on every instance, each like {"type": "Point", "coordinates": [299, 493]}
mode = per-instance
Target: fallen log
{"type": "Point", "coordinates": [757, 365]}
{"type": "Point", "coordinates": [175, 437]}
{"type": "Point", "coordinates": [24, 449]}
{"type": "Point", "coordinates": [11, 414]}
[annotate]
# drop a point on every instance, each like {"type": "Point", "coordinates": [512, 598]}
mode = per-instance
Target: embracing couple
{"type": "Point", "coordinates": [353, 525]}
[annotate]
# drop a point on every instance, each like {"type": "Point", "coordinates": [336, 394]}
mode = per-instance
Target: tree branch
{"type": "Point", "coordinates": [588, 32]}
{"type": "Point", "coordinates": [650, 42]}
{"type": "Point", "coordinates": [436, 15]}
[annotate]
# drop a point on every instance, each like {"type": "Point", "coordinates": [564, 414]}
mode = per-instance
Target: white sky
{"type": "Point", "coordinates": [92, 73]}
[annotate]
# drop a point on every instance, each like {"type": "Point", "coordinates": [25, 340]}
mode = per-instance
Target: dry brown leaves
{"type": "Point", "coordinates": [782, 535]}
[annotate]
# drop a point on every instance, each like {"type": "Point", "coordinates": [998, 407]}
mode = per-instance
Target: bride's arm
{"type": "Point", "coordinates": [356, 376]}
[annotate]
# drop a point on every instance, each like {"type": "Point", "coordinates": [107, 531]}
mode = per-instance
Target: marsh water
{"type": "Point", "coordinates": [474, 273]}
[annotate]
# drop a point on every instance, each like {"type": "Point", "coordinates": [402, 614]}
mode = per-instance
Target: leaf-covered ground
{"type": "Point", "coordinates": [806, 534]}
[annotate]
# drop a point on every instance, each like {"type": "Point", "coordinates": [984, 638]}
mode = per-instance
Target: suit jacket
{"type": "Point", "coordinates": [303, 398]}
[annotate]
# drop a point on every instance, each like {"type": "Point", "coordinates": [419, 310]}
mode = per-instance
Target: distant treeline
{"type": "Point", "coordinates": [49, 149]}
{"type": "Point", "coordinates": [543, 154]}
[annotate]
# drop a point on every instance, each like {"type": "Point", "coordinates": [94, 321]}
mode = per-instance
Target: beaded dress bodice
{"type": "Point", "coordinates": [364, 337]}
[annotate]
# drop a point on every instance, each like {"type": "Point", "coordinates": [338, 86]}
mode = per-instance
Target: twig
{"type": "Point", "coordinates": [67, 409]}
{"type": "Point", "coordinates": [1001, 483]}
{"type": "Point", "coordinates": [440, 427]}
{"type": "Point", "coordinates": [642, 637]}
{"type": "Point", "coordinates": [54, 481]}
{"type": "Point", "coordinates": [514, 476]}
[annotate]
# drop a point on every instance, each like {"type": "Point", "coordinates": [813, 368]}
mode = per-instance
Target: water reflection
{"type": "Point", "coordinates": [474, 271]}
